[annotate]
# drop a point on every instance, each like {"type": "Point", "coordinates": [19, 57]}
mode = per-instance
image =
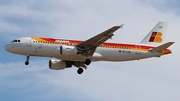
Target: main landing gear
{"type": "Point", "coordinates": [88, 62]}
{"type": "Point", "coordinates": [27, 60]}
{"type": "Point", "coordinates": [80, 71]}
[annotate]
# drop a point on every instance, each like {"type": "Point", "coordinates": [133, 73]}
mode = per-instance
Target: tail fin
{"type": "Point", "coordinates": [156, 35]}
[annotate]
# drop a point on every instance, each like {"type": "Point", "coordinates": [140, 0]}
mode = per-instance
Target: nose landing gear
{"type": "Point", "coordinates": [27, 60]}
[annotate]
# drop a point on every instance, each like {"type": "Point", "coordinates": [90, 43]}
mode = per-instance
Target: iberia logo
{"type": "Point", "coordinates": [156, 37]}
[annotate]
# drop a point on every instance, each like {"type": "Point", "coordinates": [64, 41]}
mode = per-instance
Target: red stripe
{"type": "Point", "coordinates": [153, 35]}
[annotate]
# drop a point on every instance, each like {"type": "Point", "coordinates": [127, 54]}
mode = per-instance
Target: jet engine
{"type": "Point", "coordinates": [66, 50]}
{"type": "Point", "coordinates": [58, 64]}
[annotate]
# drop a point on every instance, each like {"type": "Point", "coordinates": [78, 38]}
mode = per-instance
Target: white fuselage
{"type": "Point", "coordinates": [29, 47]}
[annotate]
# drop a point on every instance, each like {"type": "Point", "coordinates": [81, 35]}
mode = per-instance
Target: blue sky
{"type": "Point", "coordinates": [155, 79]}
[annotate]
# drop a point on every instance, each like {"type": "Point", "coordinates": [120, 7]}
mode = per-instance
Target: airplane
{"type": "Point", "coordinates": [68, 53]}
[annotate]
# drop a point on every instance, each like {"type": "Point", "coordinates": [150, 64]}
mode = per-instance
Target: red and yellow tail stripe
{"type": "Point", "coordinates": [156, 37]}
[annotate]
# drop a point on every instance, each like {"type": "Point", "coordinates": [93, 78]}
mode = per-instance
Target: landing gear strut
{"type": "Point", "coordinates": [88, 61]}
{"type": "Point", "coordinates": [27, 60]}
{"type": "Point", "coordinates": [80, 71]}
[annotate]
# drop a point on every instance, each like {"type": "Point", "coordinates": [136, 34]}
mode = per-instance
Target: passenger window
{"type": "Point", "coordinates": [18, 40]}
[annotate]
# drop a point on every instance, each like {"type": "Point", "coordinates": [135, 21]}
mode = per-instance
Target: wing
{"type": "Point", "coordinates": [90, 45]}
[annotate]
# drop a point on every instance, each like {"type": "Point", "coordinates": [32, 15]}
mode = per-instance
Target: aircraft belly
{"type": "Point", "coordinates": [72, 58]}
{"type": "Point", "coordinates": [95, 57]}
{"type": "Point", "coordinates": [111, 54]}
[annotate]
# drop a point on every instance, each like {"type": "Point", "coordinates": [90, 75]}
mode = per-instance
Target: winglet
{"type": "Point", "coordinates": [161, 47]}
{"type": "Point", "coordinates": [121, 26]}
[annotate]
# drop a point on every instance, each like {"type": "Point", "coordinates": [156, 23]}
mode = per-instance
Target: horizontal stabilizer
{"type": "Point", "coordinates": [162, 47]}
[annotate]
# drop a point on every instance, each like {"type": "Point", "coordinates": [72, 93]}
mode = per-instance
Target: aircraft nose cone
{"type": "Point", "coordinates": [7, 47]}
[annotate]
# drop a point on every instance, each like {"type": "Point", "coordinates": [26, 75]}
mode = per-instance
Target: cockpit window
{"type": "Point", "coordinates": [15, 41]}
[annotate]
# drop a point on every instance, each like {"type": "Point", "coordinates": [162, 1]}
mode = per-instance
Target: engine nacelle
{"type": "Point", "coordinates": [66, 50]}
{"type": "Point", "coordinates": [58, 65]}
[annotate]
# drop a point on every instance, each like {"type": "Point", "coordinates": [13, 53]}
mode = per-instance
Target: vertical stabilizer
{"type": "Point", "coordinates": [156, 35]}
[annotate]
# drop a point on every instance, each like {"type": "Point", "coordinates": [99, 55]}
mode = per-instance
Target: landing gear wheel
{"type": "Point", "coordinates": [80, 71]}
{"type": "Point", "coordinates": [27, 62]}
{"type": "Point", "coordinates": [88, 61]}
